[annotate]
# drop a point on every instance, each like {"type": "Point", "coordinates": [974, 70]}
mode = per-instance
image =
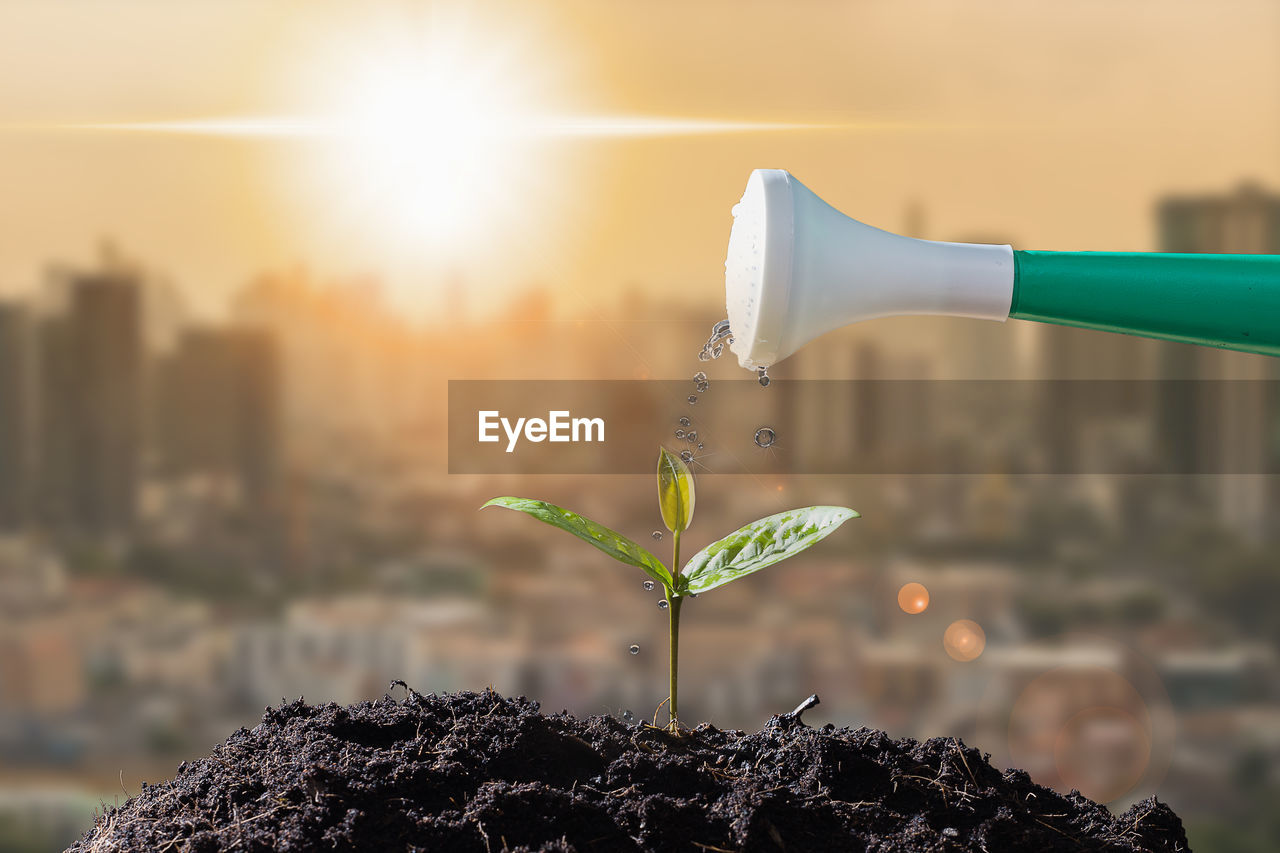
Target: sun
{"type": "Point", "coordinates": [425, 126]}
{"type": "Point", "coordinates": [430, 143]}
{"type": "Point", "coordinates": [442, 145]}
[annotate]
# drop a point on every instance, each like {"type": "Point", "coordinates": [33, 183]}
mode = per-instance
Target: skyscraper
{"type": "Point", "coordinates": [17, 415]}
{"type": "Point", "coordinates": [1230, 429]}
{"type": "Point", "coordinates": [1243, 222]}
{"type": "Point", "coordinates": [219, 400]}
{"type": "Point", "coordinates": [91, 377]}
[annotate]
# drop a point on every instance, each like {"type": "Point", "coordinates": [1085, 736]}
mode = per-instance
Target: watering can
{"type": "Point", "coordinates": [797, 268]}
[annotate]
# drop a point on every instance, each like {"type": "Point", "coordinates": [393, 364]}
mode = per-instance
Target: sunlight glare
{"type": "Point", "coordinates": [428, 147]}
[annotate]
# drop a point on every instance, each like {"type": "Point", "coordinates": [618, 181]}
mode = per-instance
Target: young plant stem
{"type": "Point", "coordinates": [674, 610]}
{"type": "Point", "coordinates": [675, 555]}
{"type": "Point", "coordinates": [673, 617]}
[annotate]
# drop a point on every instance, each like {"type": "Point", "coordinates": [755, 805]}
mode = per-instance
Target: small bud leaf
{"type": "Point", "coordinates": [675, 491]}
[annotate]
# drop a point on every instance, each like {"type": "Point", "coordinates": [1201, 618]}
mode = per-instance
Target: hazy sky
{"type": "Point", "coordinates": [1053, 124]}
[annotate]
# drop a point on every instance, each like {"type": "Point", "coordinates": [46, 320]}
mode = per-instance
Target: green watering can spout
{"type": "Point", "coordinates": [797, 268]}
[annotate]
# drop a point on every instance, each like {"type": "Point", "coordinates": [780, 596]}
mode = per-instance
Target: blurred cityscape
{"type": "Point", "coordinates": [200, 519]}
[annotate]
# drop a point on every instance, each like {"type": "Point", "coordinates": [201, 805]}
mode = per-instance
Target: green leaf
{"type": "Point", "coordinates": [611, 542]}
{"type": "Point", "coordinates": [675, 491]}
{"type": "Point", "coordinates": [761, 544]}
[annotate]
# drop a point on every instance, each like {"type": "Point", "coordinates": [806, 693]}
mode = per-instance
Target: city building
{"type": "Point", "coordinates": [1245, 221]}
{"type": "Point", "coordinates": [218, 410]}
{"type": "Point", "coordinates": [91, 387]}
{"type": "Point", "coordinates": [1229, 429]}
{"type": "Point", "coordinates": [17, 415]}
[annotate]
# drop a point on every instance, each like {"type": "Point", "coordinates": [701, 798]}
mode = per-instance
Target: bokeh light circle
{"type": "Point", "coordinates": [1102, 752]}
{"type": "Point", "coordinates": [913, 598]}
{"type": "Point", "coordinates": [964, 640]}
{"type": "Point", "coordinates": [1100, 722]}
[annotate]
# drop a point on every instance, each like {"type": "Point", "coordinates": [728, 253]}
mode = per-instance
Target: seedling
{"type": "Point", "coordinates": [749, 549]}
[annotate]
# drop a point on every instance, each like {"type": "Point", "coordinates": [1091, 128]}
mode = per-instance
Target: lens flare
{"type": "Point", "coordinates": [913, 598]}
{"type": "Point", "coordinates": [964, 640]}
{"type": "Point", "coordinates": [1087, 727]}
{"type": "Point", "coordinates": [1102, 752]}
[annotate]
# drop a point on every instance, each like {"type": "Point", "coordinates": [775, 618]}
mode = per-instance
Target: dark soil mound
{"type": "Point", "coordinates": [481, 773]}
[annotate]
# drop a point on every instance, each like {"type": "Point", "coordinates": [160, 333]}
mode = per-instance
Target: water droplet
{"type": "Point", "coordinates": [691, 436]}
{"type": "Point", "coordinates": [693, 398]}
{"type": "Point", "coordinates": [765, 437]}
{"type": "Point", "coordinates": [762, 373]}
{"type": "Point", "coordinates": [685, 422]}
{"type": "Point", "coordinates": [635, 650]}
{"type": "Point", "coordinates": [648, 586]}
{"type": "Point", "coordinates": [913, 598]}
{"type": "Point", "coordinates": [713, 348]}
{"type": "Point", "coordinates": [686, 455]}
{"type": "Point", "coordinates": [699, 445]}
{"type": "Point", "coordinates": [699, 377]}
{"type": "Point", "coordinates": [662, 604]}
{"type": "Point", "coordinates": [701, 387]}
{"type": "Point", "coordinates": [657, 534]}
{"type": "Point", "coordinates": [679, 433]}
{"type": "Point", "coordinates": [627, 716]}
